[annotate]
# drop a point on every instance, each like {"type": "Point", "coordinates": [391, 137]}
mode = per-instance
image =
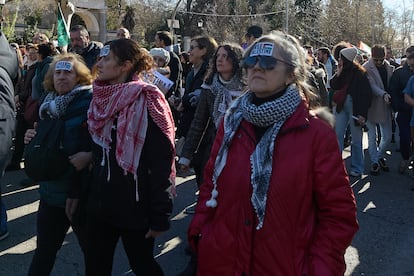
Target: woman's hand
{"type": "Point", "coordinates": [17, 102]}
{"type": "Point", "coordinates": [387, 98]}
{"type": "Point", "coordinates": [153, 234]}
{"type": "Point", "coordinates": [30, 133]}
{"type": "Point", "coordinates": [81, 160]}
{"type": "Point", "coordinates": [71, 206]}
{"type": "Point", "coordinates": [180, 107]}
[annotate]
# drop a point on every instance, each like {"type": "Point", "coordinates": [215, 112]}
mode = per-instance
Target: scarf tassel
{"type": "Point", "coordinates": [213, 202]}
{"type": "Point", "coordinates": [103, 158]}
{"type": "Point", "coordinates": [136, 188]}
{"type": "Point", "coordinates": [106, 153]}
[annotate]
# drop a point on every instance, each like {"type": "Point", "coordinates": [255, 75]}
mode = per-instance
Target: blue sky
{"type": "Point", "coordinates": [396, 4]}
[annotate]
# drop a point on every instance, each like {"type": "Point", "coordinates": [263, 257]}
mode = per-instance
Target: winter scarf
{"type": "Point", "coordinates": [270, 114]}
{"type": "Point", "coordinates": [129, 103]}
{"type": "Point", "coordinates": [55, 105]}
{"type": "Point", "coordinates": [223, 92]}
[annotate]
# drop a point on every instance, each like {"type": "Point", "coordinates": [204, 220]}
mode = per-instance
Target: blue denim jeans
{"type": "Point", "coordinates": [377, 152]}
{"type": "Point", "coordinates": [342, 119]}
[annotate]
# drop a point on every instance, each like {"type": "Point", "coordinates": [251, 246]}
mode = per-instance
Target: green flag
{"type": "Point", "coordinates": [62, 30]}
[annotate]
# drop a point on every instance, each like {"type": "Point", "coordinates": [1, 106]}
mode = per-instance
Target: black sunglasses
{"type": "Point", "coordinates": [265, 62]}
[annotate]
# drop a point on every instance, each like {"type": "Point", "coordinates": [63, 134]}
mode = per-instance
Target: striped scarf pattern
{"type": "Point", "coordinates": [129, 103]}
{"type": "Point", "coordinates": [270, 114]}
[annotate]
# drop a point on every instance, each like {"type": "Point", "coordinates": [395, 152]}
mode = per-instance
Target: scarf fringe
{"type": "Point", "coordinates": [129, 103]}
{"type": "Point", "coordinates": [136, 188]}
{"type": "Point", "coordinates": [105, 156]}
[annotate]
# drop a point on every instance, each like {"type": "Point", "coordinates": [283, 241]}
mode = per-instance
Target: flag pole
{"type": "Point", "coordinates": [62, 30]}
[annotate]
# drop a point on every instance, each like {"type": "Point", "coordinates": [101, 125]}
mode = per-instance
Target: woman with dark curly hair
{"type": "Point", "coordinates": [223, 83]}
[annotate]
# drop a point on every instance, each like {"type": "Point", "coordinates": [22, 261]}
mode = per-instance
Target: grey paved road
{"type": "Point", "coordinates": [384, 244]}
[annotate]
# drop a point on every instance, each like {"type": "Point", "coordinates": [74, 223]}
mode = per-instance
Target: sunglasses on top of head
{"type": "Point", "coordinates": [265, 62]}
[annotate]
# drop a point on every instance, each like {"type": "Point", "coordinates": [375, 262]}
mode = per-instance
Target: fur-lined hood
{"type": "Point", "coordinates": [324, 114]}
{"type": "Point", "coordinates": [320, 73]}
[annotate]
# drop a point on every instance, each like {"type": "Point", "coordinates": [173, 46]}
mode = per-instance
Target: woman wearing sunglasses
{"type": "Point", "coordinates": [275, 199]}
{"type": "Point", "coordinates": [202, 49]}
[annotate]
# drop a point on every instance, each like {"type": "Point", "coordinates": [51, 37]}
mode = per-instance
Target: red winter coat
{"type": "Point", "coordinates": [310, 214]}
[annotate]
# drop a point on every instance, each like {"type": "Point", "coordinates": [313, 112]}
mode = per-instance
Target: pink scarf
{"type": "Point", "coordinates": [129, 103]}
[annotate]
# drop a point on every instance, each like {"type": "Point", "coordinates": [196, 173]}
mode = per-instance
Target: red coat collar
{"type": "Point", "coordinates": [299, 119]}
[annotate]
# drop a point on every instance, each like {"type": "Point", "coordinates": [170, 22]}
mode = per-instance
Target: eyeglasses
{"type": "Point", "coordinates": [265, 62]}
{"type": "Point", "coordinates": [192, 47]}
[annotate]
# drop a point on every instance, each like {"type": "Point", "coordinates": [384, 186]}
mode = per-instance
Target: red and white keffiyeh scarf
{"type": "Point", "coordinates": [129, 103]}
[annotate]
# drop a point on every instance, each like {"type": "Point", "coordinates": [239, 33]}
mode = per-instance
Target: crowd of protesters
{"type": "Point", "coordinates": [238, 114]}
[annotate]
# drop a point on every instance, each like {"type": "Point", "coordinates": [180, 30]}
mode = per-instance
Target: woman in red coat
{"type": "Point", "coordinates": [276, 198]}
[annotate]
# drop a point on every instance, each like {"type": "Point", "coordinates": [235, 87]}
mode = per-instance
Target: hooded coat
{"type": "Point", "coordinates": [310, 214]}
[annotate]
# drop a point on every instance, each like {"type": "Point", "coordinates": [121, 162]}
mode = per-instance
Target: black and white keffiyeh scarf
{"type": "Point", "coordinates": [270, 114]}
{"type": "Point", "coordinates": [224, 93]}
{"type": "Point", "coordinates": [54, 105]}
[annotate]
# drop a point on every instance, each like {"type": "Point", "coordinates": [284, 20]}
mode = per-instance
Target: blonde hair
{"type": "Point", "coordinates": [82, 71]}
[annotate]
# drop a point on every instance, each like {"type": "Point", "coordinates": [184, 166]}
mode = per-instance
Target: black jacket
{"type": "Point", "coordinates": [359, 89]}
{"type": "Point", "coordinates": [38, 90]}
{"type": "Point", "coordinates": [90, 54]}
{"type": "Point", "coordinates": [202, 132]}
{"type": "Point", "coordinates": [24, 89]}
{"type": "Point", "coordinates": [190, 99]}
{"type": "Point", "coordinates": [76, 138]}
{"type": "Point", "coordinates": [398, 82]}
{"type": "Point", "coordinates": [114, 201]}
{"type": "Point", "coordinates": [176, 74]}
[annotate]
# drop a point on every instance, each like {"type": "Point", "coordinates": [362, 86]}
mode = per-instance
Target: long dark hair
{"type": "Point", "coordinates": [234, 54]}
